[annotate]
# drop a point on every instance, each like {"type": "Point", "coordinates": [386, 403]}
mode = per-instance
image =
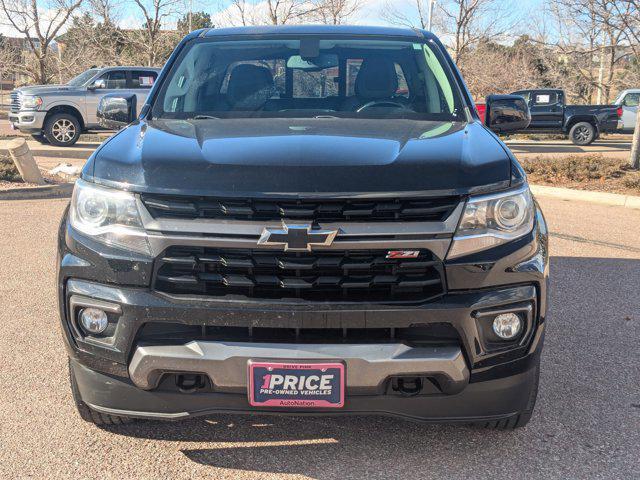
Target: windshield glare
{"type": "Point", "coordinates": [83, 78]}
{"type": "Point", "coordinates": [309, 78]}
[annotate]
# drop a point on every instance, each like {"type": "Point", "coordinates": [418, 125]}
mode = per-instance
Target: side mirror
{"type": "Point", "coordinates": [117, 110]}
{"type": "Point", "coordinates": [507, 113]}
{"type": "Point", "coordinates": [98, 84]}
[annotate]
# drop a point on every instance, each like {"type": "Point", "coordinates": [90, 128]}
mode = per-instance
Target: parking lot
{"type": "Point", "coordinates": [586, 425]}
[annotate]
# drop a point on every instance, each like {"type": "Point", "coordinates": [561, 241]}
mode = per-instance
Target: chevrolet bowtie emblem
{"type": "Point", "coordinates": [297, 238]}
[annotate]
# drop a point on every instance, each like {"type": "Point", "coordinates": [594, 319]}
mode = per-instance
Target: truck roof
{"type": "Point", "coordinates": [127, 67]}
{"type": "Point", "coordinates": [540, 90]}
{"type": "Point", "coordinates": [338, 30]}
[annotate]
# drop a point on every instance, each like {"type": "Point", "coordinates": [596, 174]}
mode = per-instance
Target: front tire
{"type": "Point", "coordinates": [582, 133]}
{"type": "Point", "coordinates": [40, 139]}
{"type": "Point", "coordinates": [521, 418]}
{"type": "Point", "coordinates": [62, 129]}
{"type": "Point", "coordinates": [88, 414]}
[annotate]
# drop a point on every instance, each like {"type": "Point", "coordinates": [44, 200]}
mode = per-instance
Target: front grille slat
{"type": "Point", "coordinates": [378, 210]}
{"type": "Point", "coordinates": [434, 334]}
{"type": "Point", "coordinates": [331, 275]}
{"type": "Point", "coordinates": [16, 102]}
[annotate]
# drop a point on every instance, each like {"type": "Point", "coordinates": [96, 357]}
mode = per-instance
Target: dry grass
{"type": "Point", "coordinates": [584, 172]}
{"type": "Point", "coordinates": [8, 170]}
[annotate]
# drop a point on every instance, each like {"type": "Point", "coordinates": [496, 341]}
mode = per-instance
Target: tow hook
{"type": "Point", "coordinates": [407, 386]}
{"type": "Point", "coordinates": [189, 382]}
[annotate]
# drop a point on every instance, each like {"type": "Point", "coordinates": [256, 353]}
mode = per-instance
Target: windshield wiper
{"type": "Point", "coordinates": [205, 117]}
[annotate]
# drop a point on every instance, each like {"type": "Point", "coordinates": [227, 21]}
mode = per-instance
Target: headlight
{"type": "Point", "coordinates": [108, 216]}
{"type": "Point", "coordinates": [31, 102]}
{"type": "Point", "coordinates": [491, 220]}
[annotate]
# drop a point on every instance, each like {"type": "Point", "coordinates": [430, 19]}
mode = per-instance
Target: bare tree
{"type": "Point", "coordinates": [592, 44]}
{"type": "Point", "coordinates": [412, 14]}
{"type": "Point", "coordinates": [152, 39]}
{"type": "Point", "coordinates": [289, 11]}
{"type": "Point", "coordinates": [272, 12]}
{"type": "Point", "coordinates": [467, 22]}
{"type": "Point", "coordinates": [40, 22]}
{"type": "Point", "coordinates": [105, 12]}
{"type": "Point", "coordinates": [335, 12]}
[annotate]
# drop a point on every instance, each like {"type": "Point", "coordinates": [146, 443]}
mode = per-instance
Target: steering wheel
{"type": "Point", "coordinates": [383, 103]}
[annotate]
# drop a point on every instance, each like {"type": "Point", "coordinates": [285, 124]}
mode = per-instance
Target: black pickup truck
{"type": "Point", "coordinates": [305, 219]}
{"type": "Point", "coordinates": [583, 123]}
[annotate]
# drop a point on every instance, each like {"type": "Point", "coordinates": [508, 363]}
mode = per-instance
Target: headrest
{"type": "Point", "coordinates": [249, 86]}
{"type": "Point", "coordinates": [376, 78]}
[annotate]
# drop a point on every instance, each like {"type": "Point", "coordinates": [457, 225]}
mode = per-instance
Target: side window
{"type": "Point", "coordinates": [631, 100]}
{"type": "Point", "coordinates": [545, 98]}
{"type": "Point", "coordinates": [115, 79]}
{"type": "Point", "coordinates": [353, 67]}
{"type": "Point", "coordinates": [143, 78]}
{"type": "Point", "coordinates": [277, 68]}
{"type": "Point", "coordinates": [525, 95]}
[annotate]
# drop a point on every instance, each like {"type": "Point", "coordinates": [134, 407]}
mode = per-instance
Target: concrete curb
{"type": "Point", "coordinates": [603, 198]}
{"type": "Point", "coordinates": [80, 153]}
{"type": "Point", "coordinates": [38, 193]}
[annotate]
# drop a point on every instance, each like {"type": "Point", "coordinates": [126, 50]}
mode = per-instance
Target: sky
{"type": "Point", "coordinates": [369, 14]}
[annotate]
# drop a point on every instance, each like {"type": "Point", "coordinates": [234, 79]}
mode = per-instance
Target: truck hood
{"type": "Point", "coordinates": [301, 158]}
{"type": "Point", "coordinates": [44, 89]}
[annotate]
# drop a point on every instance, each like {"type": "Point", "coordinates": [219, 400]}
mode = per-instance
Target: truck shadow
{"type": "Point", "coordinates": [594, 322]}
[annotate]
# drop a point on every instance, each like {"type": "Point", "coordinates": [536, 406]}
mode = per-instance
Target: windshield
{"type": "Point", "coordinates": [334, 77]}
{"type": "Point", "coordinates": [83, 78]}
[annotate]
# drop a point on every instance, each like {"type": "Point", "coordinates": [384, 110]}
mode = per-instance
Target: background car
{"type": "Point", "coordinates": [583, 123]}
{"type": "Point", "coordinates": [628, 100]}
{"type": "Point", "coordinates": [58, 114]}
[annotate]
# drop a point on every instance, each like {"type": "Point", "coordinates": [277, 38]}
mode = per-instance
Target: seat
{"type": "Point", "coordinates": [249, 87]}
{"type": "Point", "coordinates": [376, 80]}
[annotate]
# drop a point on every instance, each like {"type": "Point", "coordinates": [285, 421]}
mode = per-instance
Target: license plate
{"type": "Point", "coordinates": [296, 385]}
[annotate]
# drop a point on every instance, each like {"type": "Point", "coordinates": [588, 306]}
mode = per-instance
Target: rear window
{"type": "Point", "coordinates": [545, 98]}
{"type": "Point", "coordinates": [632, 100]}
{"type": "Point", "coordinates": [143, 78]}
{"type": "Point", "coordinates": [320, 84]}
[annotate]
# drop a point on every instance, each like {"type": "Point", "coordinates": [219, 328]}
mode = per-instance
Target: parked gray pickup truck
{"type": "Point", "coordinates": [58, 114]}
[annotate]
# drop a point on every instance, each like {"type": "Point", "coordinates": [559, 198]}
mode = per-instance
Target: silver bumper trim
{"type": "Point", "coordinates": [368, 365]}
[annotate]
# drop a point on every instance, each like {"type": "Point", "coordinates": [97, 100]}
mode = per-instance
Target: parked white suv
{"type": "Point", "coordinates": [628, 100]}
{"type": "Point", "coordinates": [58, 114]}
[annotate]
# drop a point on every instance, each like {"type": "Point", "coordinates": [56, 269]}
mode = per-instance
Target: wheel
{"type": "Point", "coordinates": [40, 138]}
{"type": "Point", "coordinates": [582, 133]}
{"type": "Point", "coordinates": [89, 415]}
{"type": "Point", "coordinates": [522, 418]}
{"type": "Point", "coordinates": [62, 129]}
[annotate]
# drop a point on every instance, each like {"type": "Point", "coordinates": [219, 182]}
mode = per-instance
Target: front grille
{"type": "Point", "coordinates": [15, 102]}
{"type": "Point", "coordinates": [350, 276]}
{"type": "Point", "coordinates": [379, 210]}
{"type": "Point", "coordinates": [170, 333]}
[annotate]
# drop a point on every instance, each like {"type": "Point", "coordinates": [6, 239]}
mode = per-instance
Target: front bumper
{"type": "Point", "coordinates": [480, 401]}
{"type": "Point", "coordinates": [369, 365]}
{"type": "Point", "coordinates": [473, 379]}
{"type": "Point", "coordinates": [28, 121]}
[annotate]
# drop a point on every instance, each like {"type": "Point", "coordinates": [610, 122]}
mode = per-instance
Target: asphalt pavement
{"type": "Point", "coordinates": [586, 424]}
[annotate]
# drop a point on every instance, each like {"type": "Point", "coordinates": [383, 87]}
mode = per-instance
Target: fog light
{"type": "Point", "coordinates": [507, 325]}
{"type": "Point", "coordinates": [93, 320]}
